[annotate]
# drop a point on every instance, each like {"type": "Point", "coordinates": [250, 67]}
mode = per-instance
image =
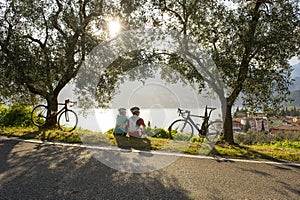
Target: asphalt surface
{"type": "Point", "coordinates": [48, 171]}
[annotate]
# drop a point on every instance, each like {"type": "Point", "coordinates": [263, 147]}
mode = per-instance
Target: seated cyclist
{"type": "Point", "coordinates": [121, 123]}
{"type": "Point", "coordinates": [136, 124]}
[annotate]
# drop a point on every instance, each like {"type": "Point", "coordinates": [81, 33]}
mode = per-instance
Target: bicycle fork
{"type": "Point", "coordinates": [67, 116]}
{"type": "Point", "coordinates": [185, 123]}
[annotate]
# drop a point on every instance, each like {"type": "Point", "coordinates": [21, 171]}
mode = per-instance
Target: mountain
{"type": "Point", "coordinates": [295, 95]}
{"type": "Point", "coordinates": [296, 76]}
{"type": "Point", "coordinates": [296, 70]}
{"type": "Point", "coordinates": [296, 84]}
{"type": "Point", "coordinates": [295, 88]}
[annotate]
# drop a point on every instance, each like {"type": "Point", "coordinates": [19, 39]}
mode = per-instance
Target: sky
{"type": "Point", "coordinates": [294, 61]}
{"type": "Point", "coordinates": [156, 93]}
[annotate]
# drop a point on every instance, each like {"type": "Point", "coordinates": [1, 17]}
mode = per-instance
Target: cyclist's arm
{"type": "Point", "coordinates": [141, 122]}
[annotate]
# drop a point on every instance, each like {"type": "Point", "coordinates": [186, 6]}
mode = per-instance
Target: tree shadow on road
{"type": "Point", "coordinates": [60, 172]}
{"type": "Point", "coordinates": [5, 149]}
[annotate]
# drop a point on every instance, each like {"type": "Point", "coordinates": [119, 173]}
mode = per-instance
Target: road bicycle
{"type": "Point", "coordinates": [183, 129]}
{"type": "Point", "coordinates": [67, 118]}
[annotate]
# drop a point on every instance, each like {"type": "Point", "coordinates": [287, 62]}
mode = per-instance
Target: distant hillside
{"type": "Point", "coordinates": [295, 95]}
{"type": "Point", "coordinates": [296, 76]}
{"type": "Point", "coordinates": [295, 88]}
{"type": "Point", "coordinates": [296, 84]}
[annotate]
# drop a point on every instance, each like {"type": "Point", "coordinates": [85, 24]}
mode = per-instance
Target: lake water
{"type": "Point", "coordinates": [104, 119]}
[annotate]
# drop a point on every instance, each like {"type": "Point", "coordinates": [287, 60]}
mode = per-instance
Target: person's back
{"type": "Point", "coordinates": [135, 123]}
{"type": "Point", "coordinates": [121, 123]}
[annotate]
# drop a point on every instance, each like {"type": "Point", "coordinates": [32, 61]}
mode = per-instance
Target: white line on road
{"type": "Point", "coordinates": [111, 148]}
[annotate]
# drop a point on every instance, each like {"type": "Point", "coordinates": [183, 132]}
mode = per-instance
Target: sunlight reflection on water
{"type": "Point", "coordinates": [104, 119]}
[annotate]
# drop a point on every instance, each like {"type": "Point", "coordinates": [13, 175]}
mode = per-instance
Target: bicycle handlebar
{"type": "Point", "coordinates": [179, 110]}
{"type": "Point", "coordinates": [182, 112]}
{"type": "Point", "coordinates": [211, 108]}
{"type": "Point", "coordinates": [67, 101]}
{"type": "Point", "coordinates": [73, 103]}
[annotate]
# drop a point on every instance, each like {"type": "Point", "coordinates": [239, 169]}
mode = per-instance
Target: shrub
{"type": "Point", "coordinates": [110, 131]}
{"type": "Point", "coordinates": [252, 138]}
{"type": "Point", "coordinates": [290, 136]}
{"type": "Point", "coordinates": [157, 132]}
{"type": "Point", "coordinates": [197, 139]}
{"type": "Point", "coordinates": [16, 115]}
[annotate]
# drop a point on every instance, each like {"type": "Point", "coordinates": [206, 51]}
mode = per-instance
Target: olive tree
{"type": "Point", "coordinates": [43, 44]}
{"type": "Point", "coordinates": [250, 42]}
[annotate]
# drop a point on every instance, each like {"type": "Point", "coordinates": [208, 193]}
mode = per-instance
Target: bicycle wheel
{"type": "Point", "coordinates": [181, 130]}
{"type": "Point", "coordinates": [39, 115]}
{"type": "Point", "coordinates": [215, 129]}
{"type": "Point", "coordinates": [67, 120]}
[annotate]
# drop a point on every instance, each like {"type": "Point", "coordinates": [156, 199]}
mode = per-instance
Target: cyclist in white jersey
{"type": "Point", "coordinates": [136, 124]}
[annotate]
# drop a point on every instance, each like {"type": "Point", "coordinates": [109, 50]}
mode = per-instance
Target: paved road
{"type": "Point", "coordinates": [45, 171]}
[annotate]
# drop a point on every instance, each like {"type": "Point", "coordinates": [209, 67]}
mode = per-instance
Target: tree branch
{"type": "Point", "coordinates": [174, 12]}
{"type": "Point", "coordinates": [55, 19]}
{"type": "Point", "coordinates": [42, 45]}
{"type": "Point", "coordinates": [244, 66]}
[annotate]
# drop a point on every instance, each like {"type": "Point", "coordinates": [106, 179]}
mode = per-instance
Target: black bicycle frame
{"type": "Point", "coordinates": [61, 110]}
{"type": "Point", "coordinates": [204, 125]}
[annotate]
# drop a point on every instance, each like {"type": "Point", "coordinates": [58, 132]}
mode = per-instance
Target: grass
{"type": "Point", "coordinates": [279, 150]}
{"type": "Point", "coordinates": [258, 152]}
{"type": "Point", "coordinates": [34, 133]}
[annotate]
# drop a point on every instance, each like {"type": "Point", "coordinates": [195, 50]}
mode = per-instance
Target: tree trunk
{"type": "Point", "coordinates": [228, 132]}
{"type": "Point", "coordinates": [52, 109]}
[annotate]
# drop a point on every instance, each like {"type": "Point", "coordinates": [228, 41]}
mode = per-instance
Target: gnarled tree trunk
{"type": "Point", "coordinates": [52, 104]}
{"type": "Point", "coordinates": [228, 132]}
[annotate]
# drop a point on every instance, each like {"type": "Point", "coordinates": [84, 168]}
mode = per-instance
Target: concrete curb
{"type": "Point", "coordinates": [112, 148]}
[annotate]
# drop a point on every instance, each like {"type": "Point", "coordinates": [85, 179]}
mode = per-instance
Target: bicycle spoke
{"type": "Point", "coordinates": [39, 115]}
{"type": "Point", "coordinates": [214, 131]}
{"type": "Point", "coordinates": [181, 130]}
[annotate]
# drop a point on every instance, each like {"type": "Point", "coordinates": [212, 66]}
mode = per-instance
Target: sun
{"type": "Point", "coordinates": [114, 27]}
